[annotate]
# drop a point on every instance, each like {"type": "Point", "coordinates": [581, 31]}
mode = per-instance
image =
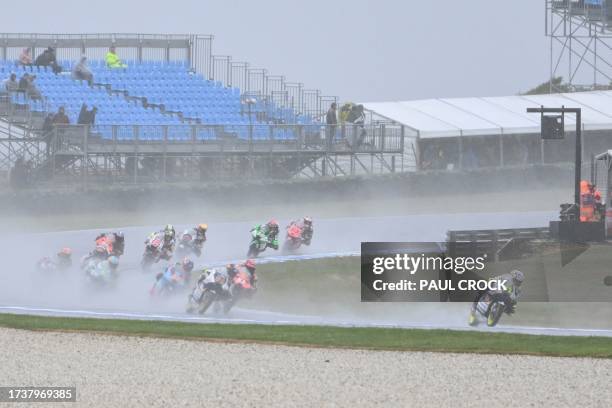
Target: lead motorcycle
{"type": "Point", "coordinates": [491, 307]}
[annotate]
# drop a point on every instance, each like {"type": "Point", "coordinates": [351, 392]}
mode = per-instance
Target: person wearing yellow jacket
{"type": "Point", "coordinates": [113, 60]}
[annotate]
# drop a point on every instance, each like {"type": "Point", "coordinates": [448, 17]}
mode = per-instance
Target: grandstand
{"type": "Point", "coordinates": [176, 110]}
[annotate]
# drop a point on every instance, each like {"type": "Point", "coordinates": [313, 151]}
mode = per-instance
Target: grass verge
{"type": "Point", "coordinates": [336, 337]}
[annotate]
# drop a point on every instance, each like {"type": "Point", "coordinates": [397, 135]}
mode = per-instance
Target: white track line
{"type": "Point", "coordinates": [554, 331]}
{"type": "Point", "coordinates": [300, 319]}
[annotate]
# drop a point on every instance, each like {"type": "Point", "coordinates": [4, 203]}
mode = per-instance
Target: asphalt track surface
{"type": "Point", "coordinates": [71, 295]}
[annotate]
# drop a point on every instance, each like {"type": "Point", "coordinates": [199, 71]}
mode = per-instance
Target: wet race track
{"type": "Point", "coordinates": [25, 290]}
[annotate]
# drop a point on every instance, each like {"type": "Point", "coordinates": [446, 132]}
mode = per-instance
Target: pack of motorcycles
{"type": "Point", "coordinates": [101, 267]}
{"type": "Point", "coordinates": [101, 270]}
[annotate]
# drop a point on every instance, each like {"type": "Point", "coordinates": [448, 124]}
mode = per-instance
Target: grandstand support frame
{"type": "Point", "coordinates": [580, 43]}
{"type": "Point", "coordinates": [79, 156]}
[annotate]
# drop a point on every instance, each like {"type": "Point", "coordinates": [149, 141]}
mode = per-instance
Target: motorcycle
{"type": "Point", "coordinates": [100, 253]}
{"type": "Point", "coordinates": [187, 246]}
{"type": "Point", "coordinates": [166, 284]}
{"type": "Point", "coordinates": [48, 265]}
{"type": "Point", "coordinates": [153, 253]}
{"type": "Point", "coordinates": [201, 298]}
{"type": "Point", "coordinates": [489, 306]}
{"type": "Point", "coordinates": [99, 273]}
{"type": "Point", "coordinates": [258, 245]}
{"type": "Point", "coordinates": [294, 238]}
{"type": "Point", "coordinates": [240, 288]}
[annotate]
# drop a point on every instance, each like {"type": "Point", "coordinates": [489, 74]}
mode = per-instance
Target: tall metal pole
{"type": "Point", "coordinates": [578, 158]}
{"type": "Point", "coordinates": [577, 176]}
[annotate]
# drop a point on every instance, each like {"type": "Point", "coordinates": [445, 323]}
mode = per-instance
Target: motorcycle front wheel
{"type": "Point", "coordinates": [495, 312]}
{"type": "Point", "coordinates": [206, 301]}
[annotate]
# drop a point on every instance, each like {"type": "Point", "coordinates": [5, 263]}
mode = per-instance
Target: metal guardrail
{"type": "Point", "coordinates": [496, 245]}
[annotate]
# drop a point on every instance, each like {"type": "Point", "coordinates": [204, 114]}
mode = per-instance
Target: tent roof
{"type": "Point", "coordinates": [454, 117]}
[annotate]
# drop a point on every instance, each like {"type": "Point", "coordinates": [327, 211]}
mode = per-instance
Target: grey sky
{"type": "Point", "coordinates": [360, 50]}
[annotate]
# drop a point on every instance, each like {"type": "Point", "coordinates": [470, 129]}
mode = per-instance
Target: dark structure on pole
{"type": "Point", "coordinates": [549, 131]}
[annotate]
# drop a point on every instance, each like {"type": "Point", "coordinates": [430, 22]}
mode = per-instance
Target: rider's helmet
{"type": "Point", "coordinates": [517, 277]}
{"type": "Point", "coordinates": [65, 253]}
{"type": "Point", "coordinates": [307, 221]}
{"type": "Point", "coordinates": [250, 265]}
{"type": "Point", "coordinates": [220, 278]}
{"type": "Point", "coordinates": [202, 228]}
{"type": "Point", "coordinates": [272, 226]}
{"type": "Point", "coordinates": [169, 232]}
{"type": "Point", "coordinates": [113, 262]}
{"type": "Point", "coordinates": [187, 265]}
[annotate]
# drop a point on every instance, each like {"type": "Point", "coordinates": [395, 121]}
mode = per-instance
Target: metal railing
{"type": "Point", "coordinates": [257, 138]}
{"type": "Point", "coordinates": [136, 154]}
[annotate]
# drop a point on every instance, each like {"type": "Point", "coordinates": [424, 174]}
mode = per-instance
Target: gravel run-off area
{"type": "Point", "coordinates": [121, 371]}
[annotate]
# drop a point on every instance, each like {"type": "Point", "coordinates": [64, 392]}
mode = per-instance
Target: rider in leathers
{"type": "Point", "coordinates": [167, 237]}
{"type": "Point", "coordinates": [510, 296]}
{"type": "Point", "coordinates": [267, 233]}
{"type": "Point", "coordinates": [215, 280]}
{"type": "Point", "coordinates": [305, 225]}
{"type": "Point", "coordinates": [198, 236]}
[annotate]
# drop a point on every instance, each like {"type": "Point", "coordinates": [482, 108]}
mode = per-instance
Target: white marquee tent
{"type": "Point", "coordinates": [494, 116]}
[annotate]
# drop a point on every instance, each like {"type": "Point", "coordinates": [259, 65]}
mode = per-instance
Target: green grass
{"type": "Point", "coordinates": [321, 336]}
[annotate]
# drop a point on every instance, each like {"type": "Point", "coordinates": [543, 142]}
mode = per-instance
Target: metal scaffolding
{"type": "Point", "coordinates": [580, 35]}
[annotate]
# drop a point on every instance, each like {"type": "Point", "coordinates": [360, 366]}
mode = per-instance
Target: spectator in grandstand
{"type": "Point", "coordinates": [357, 117]}
{"type": "Point", "coordinates": [60, 117]}
{"type": "Point", "coordinates": [345, 111]}
{"type": "Point", "coordinates": [47, 59]}
{"type": "Point", "coordinates": [47, 132]}
{"type": "Point", "coordinates": [25, 58]}
{"type": "Point", "coordinates": [82, 115]}
{"type": "Point", "coordinates": [113, 60]}
{"type": "Point", "coordinates": [24, 82]}
{"type": "Point", "coordinates": [331, 119]}
{"type": "Point", "coordinates": [10, 84]}
{"type": "Point", "coordinates": [82, 72]}
{"type": "Point", "coordinates": [32, 91]}
{"type": "Point", "coordinates": [87, 117]}
{"type": "Point", "coordinates": [92, 116]}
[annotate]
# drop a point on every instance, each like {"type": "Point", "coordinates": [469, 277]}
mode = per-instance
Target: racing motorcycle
{"type": "Point", "coordinates": [489, 306]}
{"type": "Point", "coordinates": [154, 253]}
{"type": "Point", "coordinates": [294, 238]}
{"type": "Point", "coordinates": [201, 298]}
{"type": "Point", "coordinates": [48, 265]}
{"type": "Point", "coordinates": [99, 273]}
{"type": "Point", "coordinates": [187, 246]}
{"type": "Point", "coordinates": [100, 253]}
{"type": "Point", "coordinates": [258, 245]}
{"type": "Point", "coordinates": [240, 288]}
{"type": "Point", "coordinates": [167, 283]}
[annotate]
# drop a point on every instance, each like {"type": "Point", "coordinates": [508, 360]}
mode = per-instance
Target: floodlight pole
{"type": "Point", "coordinates": [578, 160]}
